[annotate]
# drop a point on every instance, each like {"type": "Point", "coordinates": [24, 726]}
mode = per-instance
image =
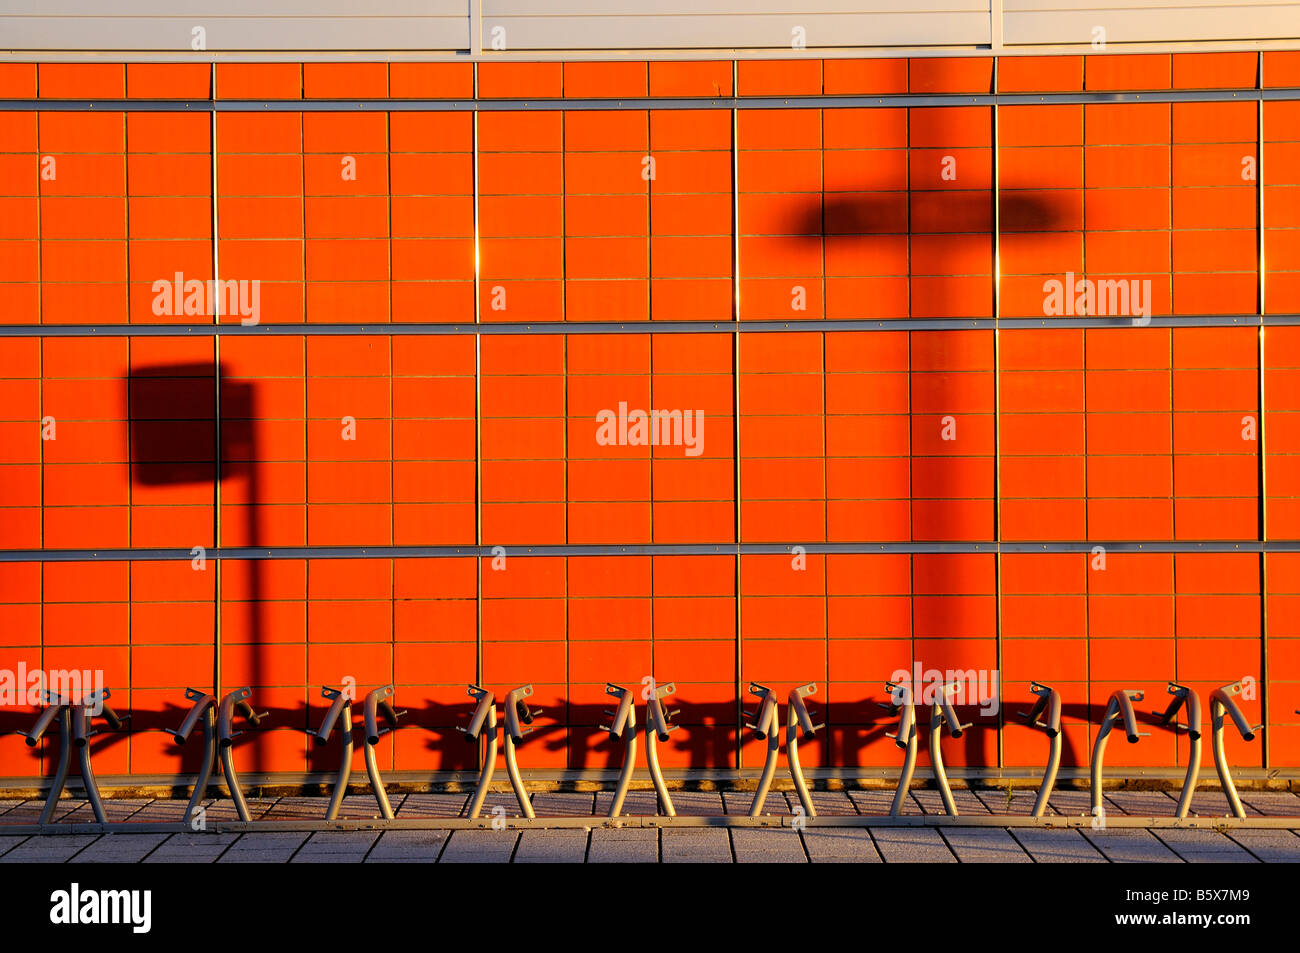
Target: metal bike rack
{"type": "Point", "coordinates": [942, 715]}
{"type": "Point", "coordinates": [379, 701]}
{"type": "Point", "coordinates": [657, 729]}
{"type": "Point", "coordinates": [798, 720]}
{"type": "Point", "coordinates": [765, 725]}
{"type": "Point", "coordinates": [1046, 699]}
{"type": "Point", "coordinates": [74, 732]}
{"type": "Point", "coordinates": [205, 707]}
{"type": "Point", "coordinates": [484, 718]}
{"type": "Point", "coordinates": [1221, 701]}
{"type": "Point", "coordinates": [901, 704]}
{"type": "Point", "coordinates": [623, 727]}
{"type": "Point", "coordinates": [1184, 696]}
{"type": "Point", "coordinates": [340, 708]}
{"type": "Point", "coordinates": [235, 702]}
{"type": "Point", "coordinates": [1119, 706]}
{"type": "Point", "coordinates": [518, 714]}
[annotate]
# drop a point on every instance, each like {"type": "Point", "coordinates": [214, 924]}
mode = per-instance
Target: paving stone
{"type": "Point", "coordinates": [698, 803]}
{"type": "Point", "coordinates": [739, 803]}
{"type": "Point", "coordinates": [912, 845]}
{"type": "Point", "coordinates": [1021, 802]}
{"type": "Point", "coordinates": [768, 845]}
{"type": "Point", "coordinates": [1270, 846]}
{"type": "Point", "coordinates": [696, 845]}
{"type": "Point", "coordinates": [1141, 803]}
{"type": "Point", "coordinates": [560, 845]}
{"type": "Point", "coordinates": [1273, 803]}
{"type": "Point", "coordinates": [339, 842]}
{"type": "Point", "coordinates": [985, 845]}
{"type": "Point", "coordinates": [564, 803]}
{"type": "Point", "coordinates": [9, 841]}
{"type": "Point", "coordinates": [1123, 845]}
{"type": "Point", "coordinates": [1215, 804]}
{"type": "Point", "coordinates": [840, 845]}
{"type": "Point", "coordinates": [637, 803]}
{"type": "Point", "coordinates": [1057, 846]}
{"type": "Point", "coordinates": [420, 846]}
{"type": "Point", "coordinates": [623, 845]}
{"type": "Point", "coordinates": [432, 805]}
{"type": "Point", "coordinates": [967, 802]}
{"type": "Point", "coordinates": [49, 849]}
{"type": "Point", "coordinates": [120, 848]}
{"type": "Point", "coordinates": [479, 847]}
{"type": "Point", "coordinates": [874, 802]}
{"type": "Point", "coordinates": [1071, 803]}
{"type": "Point", "coordinates": [256, 857]}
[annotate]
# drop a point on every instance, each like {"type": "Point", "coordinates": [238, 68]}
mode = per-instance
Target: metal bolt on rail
{"type": "Point", "coordinates": [339, 713]}
{"type": "Point", "coordinates": [483, 719]}
{"type": "Point", "coordinates": [623, 727]}
{"type": "Point", "coordinates": [379, 701]}
{"type": "Point", "coordinates": [1184, 696]}
{"type": "Point", "coordinates": [942, 714]}
{"type": "Point", "coordinates": [1119, 706]}
{"type": "Point", "coordinates": [657, 729]}
{"type": "Point", "coordinates": [235, 702]}
{"type": "Point", "coordinates": [1221, 701]}
{"type": "Point", "coordinates": [74, 732]}
{"type": "Point", "coordinates": [518, 714]}
{"type": "Point", "coordinates": [766, 725]}
{"type": "Point", "coordinates": [901, 704]}
{"type": "Point", "coordinates": [204, 706]}
{"type": "Point", "coordinates": [1046, 699]}
{"type": "Point", "coordinates": [798, 720]}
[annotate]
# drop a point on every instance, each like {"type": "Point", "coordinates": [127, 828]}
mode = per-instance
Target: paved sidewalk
{"type": "Point", "coordinates": [667, 845]}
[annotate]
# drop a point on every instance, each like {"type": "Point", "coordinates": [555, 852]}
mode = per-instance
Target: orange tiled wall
{"type": "Point", "coordinates": [367, 217]}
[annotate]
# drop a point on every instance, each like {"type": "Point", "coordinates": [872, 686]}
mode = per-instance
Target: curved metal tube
{"type": "Point", "coordinates": [901, 703]}
{"type": "Point", "coordinates": [81, 741]}
{"type": "Point", "coordinates": [1221, 701]}
{"type": "Point", "coordinates": [340, 707]}
{"type": "Point", "coordinates": [377, 703]}
{"type": "Point", "coordinates": [799, 721]}
{"type": "Point", "coordinates": [484, 718]}
{"type": "Point", "coordinates": [657, 729]}
{"type": "Point", "coordinates": [42, 725]}
{"type": "Point", "coordinates": [235, 701]}
{"type": "Point", "coordinates": [624, 725]}
{"type": "Point", "coordinates": [942, 713]}
{"type": "Point", "coordinates": [765, 725]}
{"type": "Point", "coordinates": [1184, 696]}
{"type": "Point", "coordinates": [1119, 706]}
{"type": "Point", "coordinates": [64, 714]}
{"type": "Point", "coordinates": [1048, 699]}
{"type": "Point", "coordinates": [516, 712]}
{"type": "Point", "coordinates": [205, 707]}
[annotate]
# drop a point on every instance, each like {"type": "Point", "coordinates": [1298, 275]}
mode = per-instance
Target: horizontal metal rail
{"type": "Point", "coordinates": [398, 329]}
{"type": "Point", "coordinates": [553, 104]}
{"type": "Point", "coordinates": [646, 549]}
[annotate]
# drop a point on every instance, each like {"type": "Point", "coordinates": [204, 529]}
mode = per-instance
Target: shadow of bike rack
{"type": "Point", "coordinates": [235, 702]}
{"type": "Point", "coordinates": [1119, 706]}
{"type": "Point", "coordinates": [379, 701]}
{"type": "Point", "coordinates": [74, 732]}
{"type": "Point", "coordinates": [1184, 697]}
{"type": "Point", "coordinates": [1222, 701]}
{"type": "Point", "coordinates": [205, 707]}
{"type": "Point", "coordinates": [623, 728]}
{"type": "Point", "coordinates": [943, 715]}
{"type": "Point", "coordinates": [901, 703]}
{"type": "Point", "coordinates": [1047, 699]}
{"type": "Point", "coordinates": [657, 729]}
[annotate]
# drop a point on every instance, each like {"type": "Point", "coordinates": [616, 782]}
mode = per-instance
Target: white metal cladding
{"type": "Point", "coordinates": [1146, 21]}
{"type": "Point", "coordinates": [746, 24]}
{"type": "Point", "coordinates": [551, 26]}
{"type": "Point", "coordinates": [235, 25]}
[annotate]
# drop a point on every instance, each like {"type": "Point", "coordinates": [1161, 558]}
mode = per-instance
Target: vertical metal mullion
{"type": "Point", "coordinates": [478, 404]}
{"type": "Point", "coordinates": [735, 397]}
{"type": "Point", "coordinates": [1260, 433]}
{"type": "Point", "coordinates": [997, 397]}
{"type": "Point", "coordinates": [216, 414]}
